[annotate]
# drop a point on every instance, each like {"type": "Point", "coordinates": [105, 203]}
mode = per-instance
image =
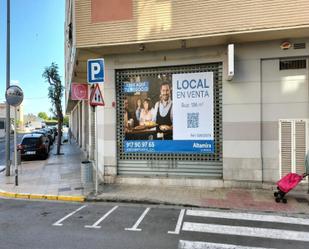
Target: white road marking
{"type": "Point", "coordinates": [179, 222]}
{"type": "Point", "coordinates": [247, 216]}
{"type": "Point", "coordinates": [95, 225]}
{"type": "Point", "coordinates": [185, 244]}
{"type": "Point", "coordinates": [246, 231]}
{"type": "Point", "coordinates": [134, 228]}
{"type": "Point", "coordinates": [58, 223]}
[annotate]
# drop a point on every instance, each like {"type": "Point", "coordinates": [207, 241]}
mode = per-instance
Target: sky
{"type": "Point", "coordinates": [37, 40]}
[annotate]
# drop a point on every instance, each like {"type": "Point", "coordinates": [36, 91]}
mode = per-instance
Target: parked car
{"type": "Point", "coordinates": [45, 133]}
{"type": "Point", "coordinates": [55, 129]}
{"type": "Point", "coordinates": [34, 145]}
{"type": "Point", "coordinates": [50, 131]}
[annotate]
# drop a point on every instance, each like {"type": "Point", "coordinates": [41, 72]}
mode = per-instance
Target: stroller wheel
{"type": "Point", "coordinates": [284, 201]}
{"type": "Point", "coordinates": [277, 199]}
{"type": "Point", "coordinates": [276, 194]}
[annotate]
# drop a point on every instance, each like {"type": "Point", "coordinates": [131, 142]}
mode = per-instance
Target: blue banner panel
{"type": "Point", "coordinates": [169, 146]}
{"type": "Point", "coordinates": [136, 87]}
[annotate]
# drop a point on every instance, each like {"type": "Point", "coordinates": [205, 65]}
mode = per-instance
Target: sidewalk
{"type": "Point", "coordinates": [60, 176]}
{"type": "Point", "coordinates": [258, 200]}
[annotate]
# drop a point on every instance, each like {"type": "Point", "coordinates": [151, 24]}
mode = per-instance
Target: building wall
{"type": "Point", "coordinates": [107, 22]}
{"type": "Point", "coordinates": [243, 113]}
{"type": "Point", "coordinates": [75, 122]}
{"type": "Point", "coordinates": [107, 114]}
{"type": "Point", "coordinates": [2, 127]}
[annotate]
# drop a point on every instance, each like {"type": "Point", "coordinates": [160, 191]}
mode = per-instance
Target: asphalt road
{"type": "Point", "coordinates": [38, 224]}
{"type": "Point", "coordinates": [2, 147]}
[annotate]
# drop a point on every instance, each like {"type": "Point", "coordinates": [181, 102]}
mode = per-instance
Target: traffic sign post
{"type": "Point", "coordinates": [95, 71]}
{"type": "Point", "coordinates": [79, 91]}
{"type": "Point", "coordinates": [96, 75]}
{"type": "Point", "coordinates": [14, 96]}
{"type": "Point", "coordinates": [96, 97]}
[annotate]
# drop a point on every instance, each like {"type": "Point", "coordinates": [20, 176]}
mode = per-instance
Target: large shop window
{"type": "Point", "coordinates": [169, 120]}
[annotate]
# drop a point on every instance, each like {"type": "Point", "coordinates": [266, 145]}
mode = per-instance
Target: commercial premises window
{"type": "Point", "coordinates": [1, 125]}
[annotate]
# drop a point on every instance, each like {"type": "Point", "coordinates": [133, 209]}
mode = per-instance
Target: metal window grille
{"type": "Point", "coordinates": [157, 163]}
{"type": "Point", "coordinates": [293, 64]}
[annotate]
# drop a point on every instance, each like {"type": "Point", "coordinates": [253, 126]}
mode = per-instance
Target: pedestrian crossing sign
{"type": "Point", "coordinates": [96, 97]}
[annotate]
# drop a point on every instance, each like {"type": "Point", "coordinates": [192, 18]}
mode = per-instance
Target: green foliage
{"type": "Point", "coordinates": [55, 93]}
{"type": "Point", "coordinates": [66, 120]}
{"type": "Point", "coordinates": [55, 90]}
{"type": "Point", "coordinates": [51, 122]}
{"type": "Point", "coordinates": [43, 115]}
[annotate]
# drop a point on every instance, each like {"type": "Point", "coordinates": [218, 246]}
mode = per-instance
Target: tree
{"type": "Point", "coordinates": [66, 120]}
{"type": "Point", "coordinates": [43, 115]}
{"type": "Point", "coordinates": [55, 93]}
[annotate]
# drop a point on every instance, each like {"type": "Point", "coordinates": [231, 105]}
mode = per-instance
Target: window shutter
{"type": "Point", "coordinates": [300, 146]}
{"type": "Point", "coordinates": [286, 147]}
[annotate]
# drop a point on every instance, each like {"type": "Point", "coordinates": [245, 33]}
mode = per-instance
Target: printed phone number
{"type": "Point", "coordinates": [140, 145]}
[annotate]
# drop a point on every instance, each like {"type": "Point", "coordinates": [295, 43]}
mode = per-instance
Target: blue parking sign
{"type": "Point", "coordinates": [95, 71]}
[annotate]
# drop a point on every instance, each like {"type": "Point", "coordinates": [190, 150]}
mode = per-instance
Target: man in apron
{"type": "Point", "coordinates": [164, 113]}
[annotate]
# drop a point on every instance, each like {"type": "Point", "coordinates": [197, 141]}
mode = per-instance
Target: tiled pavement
{"type": "Point", "coordinates": [60, 175]}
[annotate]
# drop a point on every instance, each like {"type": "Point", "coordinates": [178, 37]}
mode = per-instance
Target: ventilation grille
{"type": "Point", "coordinates": [293, 64]}
{"type": "Point", "coordinates": [299, 45]}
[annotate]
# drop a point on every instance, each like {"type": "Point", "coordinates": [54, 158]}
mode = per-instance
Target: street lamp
{"type": "Point", "coordinates": [8, 118]}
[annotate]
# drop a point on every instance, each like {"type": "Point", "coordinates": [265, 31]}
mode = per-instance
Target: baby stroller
{"type": "Point", "coordinates": [286, 184]}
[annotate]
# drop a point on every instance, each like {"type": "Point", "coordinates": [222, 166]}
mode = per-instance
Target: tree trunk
{"type": "Point", "coordinates": [60, 123]}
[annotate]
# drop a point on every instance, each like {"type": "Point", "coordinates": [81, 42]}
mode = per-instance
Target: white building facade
{"type": "Point", "coordinates": [259, 112]}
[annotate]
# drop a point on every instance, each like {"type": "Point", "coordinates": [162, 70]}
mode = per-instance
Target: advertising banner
{"type": "Point", "coordinates": [169, 114]}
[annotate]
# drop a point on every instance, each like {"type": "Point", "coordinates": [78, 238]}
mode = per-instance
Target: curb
{"type": "Point", "coordinates": [42, 197]}
{"type": "Point", "coordinates": [138, 201]}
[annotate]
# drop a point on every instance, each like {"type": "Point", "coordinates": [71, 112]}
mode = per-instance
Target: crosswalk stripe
{"type": "Point", "coordinates": [246, 231]}
{"type": "Point", "coordinates": [247, 216]}
{"type": "Point", "coordinates": [185, 244]}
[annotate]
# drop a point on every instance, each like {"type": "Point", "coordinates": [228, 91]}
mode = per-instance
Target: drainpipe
{"type": "Point", "coordinates": [261, 122]}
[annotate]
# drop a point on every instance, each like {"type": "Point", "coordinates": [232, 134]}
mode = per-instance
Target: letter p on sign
{"type": "Point", "coordinates": [95, 71]}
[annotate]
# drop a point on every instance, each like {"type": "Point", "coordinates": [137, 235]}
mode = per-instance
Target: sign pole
{"type": "Point", "coordinates": [15, 148]}
{"type": "Point", "coordinates": [96, 152]}
{"type": "Point", "coordinates": [14, 96]}
{"type": "Point", "coordinates": [96, 75]}
{"type": "Point", "coordinates": [8, 116]}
